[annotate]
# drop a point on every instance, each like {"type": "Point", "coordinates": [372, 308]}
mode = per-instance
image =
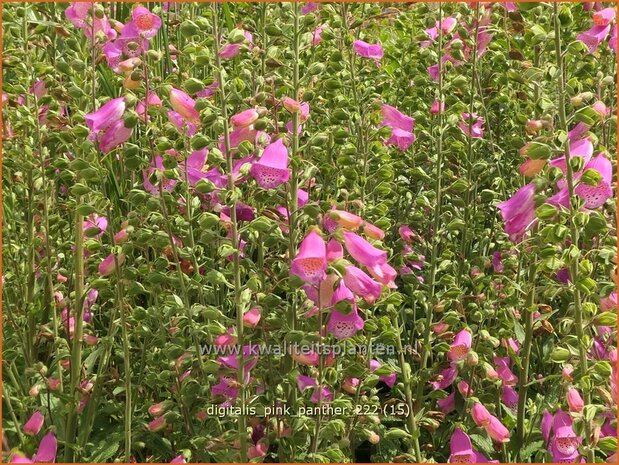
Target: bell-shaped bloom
{"type": "Point", "coordinates": [108, 265]}
{"type": "Point", "coordinates": [497, 262]}
{"type": "Point", "coordinates": [373, 231]}
{"type": "Point", "coordinates": [321, 395]}
{"type": "Point", "coordinates": [445, 378]}
{"type": "Point", "coordinates": [184, 105]}
{"type": "Point", "coordinates": [46, 453]}
{"type": "Point", "coordinates": [307, 358]}
{"type": "Point", "coordinates": [350, 385]}
{"type": "Point", "coordinates": [94, 226]}
{"type": "Point", "coordinates": [518, 212]}
{"type": "Point", "coordinates": [256, 451]}
{"type": "Point", "coordinates": [229, 51]}
{"type": "Point", "coordinates": [596, 196]}
{"type": "Point", "coordinates": [497, 430]}
{"type": "Point", "coordinates": [362, 251]}
{"type": "Point", "coordinates": [80, 14]}
{"type": "Point", "coordinates": [480, 414]}
{"type": "Point", "coordinates": [509, 397]}
{"type": "Point", "coordinates": [178, 459]}
{"type": "Point", "coordinates": [461, 346]}
{"type": "Point", "coordinates": [461, 449]}
{"type": "Point", "coordinates": [335, 251]}
{"type": "Point", "coordinates": [594, 37]}
{"type": "Point", "coordinates": [564, 444]}
{"type": "Point", "coordinates": [401, 139]}
{"type": "Point", "coordinates": [574, 400]}
{"type": "Point", "coordinates": [146, 22]}
{"type": "Point", "coordinates": [310, 264]}
{"type": "Point", "coordinates": [472, 125]}
{"type": "Point", "coordinates": [604, 17]}
{"type": "Point", "coordinates": [306, 382]}
{"type": "Point", "coordinates": [365, 50]}
{"type": "Point", "coordinates": [582, 148]}
{"type": "Point", "coordinates": [341, 294]}
{"type": "Point", "coordinates": [612, 40]}
{"type": "Point", "coordinates": [345, 219]}
{"type": "Point", "coordinates": [195, 165]}
{"type": "Point", "coordinates": [437, 107]}
{"type": "Point", "coordinates": [384, 274]}
{"type": "Point", "coordinates": [394, 118]}
{"type": "Point", "coordinates": [362, 284]}
{"type": "Point", "coordinates": [114, 135]}
{"type": "Point", "coordinates": [34, 424]}
{"type": "Point", "coordinates": [251, 318]}
{"type": "Point", "coordinates": [433, 72]}
{"type": "Point", "coordinates": [342, 325]}
{"type": "Point", "coordinates": [271, 170]}
{"type": "Point", "coordinates": [244, 118]}
{"type": "Point", "coordinates": [503, 369]}
{"type": "Point", "coordinates": [406, 233]}
{"type": "Point", "coordinates": [546, 425]}
{"type": "Point", "coordinates": [448, 404]}
{"type": "Point", "coordinates": [105, 116]}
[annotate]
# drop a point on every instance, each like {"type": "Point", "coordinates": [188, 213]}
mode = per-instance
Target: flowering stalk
{"type": "Point", "coordinates": [76, 350]}
{"type": "Point", "coordinates": [242, 428]}
{"type": "Point", "coordinates": [574, 233]}
{"type": "Point", "coordinates": [437, 212]}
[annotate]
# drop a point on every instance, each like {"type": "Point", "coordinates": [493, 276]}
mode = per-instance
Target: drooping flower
{"type": "Point", "coordinates": [310, 264]}
{"type": "Point", "coordinates": [389, 379]}
{"type": "Point", "coordinates": [594, 37]}
{"type": "Point", "coordinates": [564, 444]}
{"type": "Point", "coordinates": [114, 135]}
{"type": "Point", "coordinates": [401, 127]}
{"type": "Point", "coordinates": [365, 50]}
{"type": "Point", "coordinates": [472, 125]}
{"type": "Point", "coordinates": [361, 284]}
{"type": "Point", "coordinates": [34, 424]}
{"type": "Point", "coordinates": [509, 397]}
{"type": "Point", "coordinates": [518, 212]}
{"type": "Point", "coordinates": [184, 105]}
{"type": "Point", "coordinates": [343, 326]}
{"type": "Point", "coordinates": [461, 346]}
{"type": "Point", "coordinates": [596, 196]}
{"type": "Point", "coordinates": [108, 265]}
{"type": "Point", "coordinates": [251, 318]}
{"type": "Point", "coordinates": [105, 116]}
{"type": "Point", "coordinates": [48, 447]}
{"type": "Point", "coordinates": [156, 170]}
{"type": "Point", "coordinates": [461, 449]}
{"type": "Point", "coordinates": [152, 100]}
{"type": "Point", "coordinates": [362, 251]}
{"type": "Point", "coordinates": [497, 430]}
{"type": "Point", "coordinates": [445, 378]}
{"type": "Point", "coordinates": [574, 400]}
{"type": "Point", "coordinates": [504, 371]}
{"type": "Point", "coordinates": [244, 118]}
{"type": "Point", "coordinates": [480, 414]}
{"type": "Point", "coordinates": [448, 404]}
{"type": "Point", "coordinates": [271, 170]}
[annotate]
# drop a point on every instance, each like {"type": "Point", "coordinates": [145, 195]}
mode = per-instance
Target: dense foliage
{"type": "Point", "coordinates": [335, 232]}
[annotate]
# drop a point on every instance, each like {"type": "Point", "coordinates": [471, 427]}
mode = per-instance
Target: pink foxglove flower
{"type": "Point", "coordinates": [310, 264]}
{"type": "Point", "coordinates": [519, 212]}
{"type": "Point", "coordinates": [343, 326]}
{"type": "Point", "coordinates": [362, 251]}
{"type": "Point", "coordinates": [461, 346]}
{"type": "Point", "coordinates": [184, 105]}
{"type": "Point", "coordinates": [271, 170]}
{"type": "Point", "coordinates": [365, 50]}
{"type": "Point", "coordinates": [34, 424]}
{"type": "Point", "coordinates": [146, 22]}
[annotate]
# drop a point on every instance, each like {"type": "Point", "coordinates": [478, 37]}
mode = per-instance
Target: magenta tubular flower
{"type": "Point", "coordinates": [503, 369]}
{"type": "Point", "coordinates": [361, 284]}
{"type": "Point", "coordinates": [480, 414]}
{"type": "Point", "coordinates": [181, 124]}
{"type": "Point", "coordinates": [251, 318]}
{"type": "Point", "coordinates": [342, 293]}
{"type": "Point", "coordinates": [306, 382]}
{"type": "Point", "coordinates": [178, 459]}
{"type": "Point", "coordinates": [497, 430]}
{"type": "Point", "coordinates": [209, 90]}
{"type": "Point", "coordinates": [365, 50]}
{"type": "Point", "coordinates": [401, 139]}
{"type": "Point", "coordinates": [95, 226]}
{"type": "Point", "coordinates": [609, 303]}
{"type": "Point", "coordinates": [271, 170]}
{"type": "Point", "coordinates": [310, 264]}
{"type": "Point", "coordinates": [344, 326]}
{"type": "Point", "coordinates": [309, 7]}
{"type": "Point", "coordinates": [114, 135]}
{"type": "Point", "coordinates": [448, 404]}
{"type": "Point", "coordinates": [594, 37]}
{"type": "Point", "coordinates": [437, 107]}
{"type": "Point", "coordinates": [195, 166]}
{"type": "Point", "coordinates": [345, 219]}
{"type": "Point", "coordinates": [244, 118]}
{"type": "Point", "coordinates": [225, 388]}
{"type": "Point", "coordinates": [48, 447]}
{"type": "Point", "coordinates": [574, 400]}
{"type": "Point", "coordinates": [448, 24]}
{"type": "Point", "coordinates": [229, 51]}
{"type": "Point", "coordinates": [184, 105]}
{"type": "Point", "coordinates": [519, 212]}
{"type": "Point", "coordinates": [146, 22]}
{"type": "Point", "coordinates": [564, 445]}
{"type": "Point", "coordinates": [546, 425]}
{"type": "Point", "coordinates": [461, 449]}
{"type": "Point", "coordinates": [461, 346]}
{"type": "Point", "coordinates": [384, 274]}
{"type": "Point", "coordinates": [153, 101]}
{"type": "Point", "coordinates": [394, 118]}
{"type": "Point", "coordinates": [433, 72]}
{"type": "Point", "coordinates": [108, 265]}
{"type": "Point", "coordinates": [509, 397]}
{"type": "Point", "coordinates": [604, 17]}
{"type": "Point", "coordinates": [476, 130]}
{"type": "Point", "coordinates": [362, 251]}
{"type": "Point", "coordinates": [406, 233]}
{"type": "Point", "coordinates": [317, 35]}
{"type": "Point", "coordinates": [612, 40]}
{"type": "Point", "coordinates": [596, 196]}
{"type": "Point", "coordinates": [322, 394]}
{"type": "Point", "coordinates": [34, 424]}
{"type": "Point", "coordinates": [334, 251]}
{"type": "Point", "coordinates": [445, 378]}
{"type": "Point", "coordinates": [582, 148]}
{"type": "Point", "coordinates": [109, 113]}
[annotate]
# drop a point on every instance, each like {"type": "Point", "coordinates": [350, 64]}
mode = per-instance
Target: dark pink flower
{"type": "Point", "coordinates": [519, 212]}
{"type": "Point", "coordinates": [461, 346]}
{"type": "Point", "coordinates": [474, 128]}
{"type": "Point", "coordinates": [146, 22]}
{"type": "Point", "coordinates": [184, 105]}
{"type": "Point", "coordinates": [343, 326]}
{"type": "Point", "coordinates": [271, 169]}
{"type": "Point", "coordinates": [362, 251]}
{"type": "Point", "coordinates": [34, 424]}
{"type": "Point", "coordinates": [361, 284]}
{"type": "Point", "coordinates": [310, 264]}
{"type": "Point", "coordinates": [365, 50]}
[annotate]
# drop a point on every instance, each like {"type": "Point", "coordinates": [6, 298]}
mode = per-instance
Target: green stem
{"type": "Point", "coordinates": [573, 265]}
{"type": "Point", "coordinates": [236, 259]}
